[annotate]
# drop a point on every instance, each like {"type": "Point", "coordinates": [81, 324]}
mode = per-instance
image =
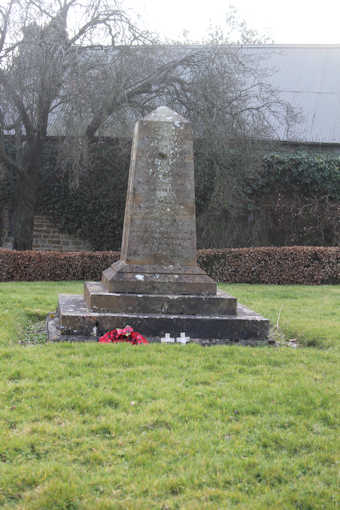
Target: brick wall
{"type": "Point", "coordinates": [46, 237]}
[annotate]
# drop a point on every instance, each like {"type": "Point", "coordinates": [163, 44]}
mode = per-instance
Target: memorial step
{"type": "Point", "coordinates": [98, 299]}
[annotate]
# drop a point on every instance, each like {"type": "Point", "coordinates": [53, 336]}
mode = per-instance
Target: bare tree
{"type": "Point", "coordinates": [82, 69]}
{"type": "Point", "coordinates": [234, 112]}
{"type": "Point", "coordinates": [49, 70]}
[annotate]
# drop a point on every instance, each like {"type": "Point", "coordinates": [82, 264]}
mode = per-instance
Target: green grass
{"type": "Point", "coordinates": [23, 303]}
{"type": "Point", "coordinates": [169, 427]}
{"type": "Point", "coordinates": [311, 314]}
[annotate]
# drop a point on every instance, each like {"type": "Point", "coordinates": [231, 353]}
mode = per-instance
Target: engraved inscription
{"type": "Point", "coordinates": [160, 219]}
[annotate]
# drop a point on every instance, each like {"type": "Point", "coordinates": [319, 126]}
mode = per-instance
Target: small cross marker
{"type": "Point", "coordinates": [167, 339]}
{"type": "Point", "coordinates": [183, 339]}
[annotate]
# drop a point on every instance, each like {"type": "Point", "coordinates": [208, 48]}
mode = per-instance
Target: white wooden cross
{"type": "Point", "coordinates": [183, 339]}
{"type": "Point", "coordinates": [167, 339]}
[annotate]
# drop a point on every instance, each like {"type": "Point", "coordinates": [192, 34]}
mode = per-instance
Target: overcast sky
{"type": "Point", "coordinates": [284, 21]}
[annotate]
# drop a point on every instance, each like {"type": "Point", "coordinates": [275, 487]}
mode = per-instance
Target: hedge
{"type": "Point", "coordinates": [53, 266]}
{"type": "Point", "coordinates": [286, 265]}
{"type": "Point", "coordinates": [308, 265]}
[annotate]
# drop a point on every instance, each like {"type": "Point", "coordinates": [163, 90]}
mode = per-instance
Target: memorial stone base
{"type": "Point", "coordinates": [206, 319]}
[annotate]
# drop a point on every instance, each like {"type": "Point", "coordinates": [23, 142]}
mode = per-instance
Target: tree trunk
{"type": "Point", "coordinates": [25, 202]}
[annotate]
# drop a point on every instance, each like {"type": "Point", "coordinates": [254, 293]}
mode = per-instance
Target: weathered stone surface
{"type": "Point", "coordinates": [159, 224]}
{"type": "Point", "coordinates": [98, 299]}
{"type": "Point", "coordinates": [131, 278]}
{"type": "Point", "coordinates": [77, 319]}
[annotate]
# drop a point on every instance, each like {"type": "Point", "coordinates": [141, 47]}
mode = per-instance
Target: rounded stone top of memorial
{"type": "Point", "coordinates": [164, 114]}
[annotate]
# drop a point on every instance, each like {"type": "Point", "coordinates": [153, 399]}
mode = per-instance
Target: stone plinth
{"type": "Point", "coordinates": [76, 319]}
{"type": "Point", "coordinates": [157, 287]}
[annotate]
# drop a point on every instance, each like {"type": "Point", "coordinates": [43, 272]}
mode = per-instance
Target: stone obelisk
{"type": "Point", "coordinates": [158, 253]}
{"type": "Point", "coordinates": [157, 287]}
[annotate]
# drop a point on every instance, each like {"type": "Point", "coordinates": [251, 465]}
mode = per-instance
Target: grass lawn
{"type": "Point", "coordinates": [310, 314]}
{"type": "Point", "coordinates": [171, 427]}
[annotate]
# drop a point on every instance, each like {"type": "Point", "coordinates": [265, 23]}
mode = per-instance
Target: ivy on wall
{"type": "Point", "coordinates": [94, 209]}
{"type": "Point", "coordinates": [293, 199]}
{"type": "Point", "coordinates": [303, 173]}
{"type": "Point", "coordinates": [298, 197]}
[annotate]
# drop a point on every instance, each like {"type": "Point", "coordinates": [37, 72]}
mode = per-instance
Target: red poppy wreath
{"type": "Point", "coordinates": [126, 334]}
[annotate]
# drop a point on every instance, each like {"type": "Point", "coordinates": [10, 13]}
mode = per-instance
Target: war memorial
{"type": "Point", "coordinates": [157, 287]}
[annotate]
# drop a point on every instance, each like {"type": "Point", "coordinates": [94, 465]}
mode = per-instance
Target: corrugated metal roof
{"type": "Point", "coordinates": [308, 77]}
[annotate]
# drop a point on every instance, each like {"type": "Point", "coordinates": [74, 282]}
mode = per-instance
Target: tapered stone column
{"type": "Point", "coordinates": [158, 254]}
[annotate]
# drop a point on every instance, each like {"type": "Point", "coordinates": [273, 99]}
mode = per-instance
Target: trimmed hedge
{"type": "Point", "coordinates": [308, 265]}
{"type": "Point", "coordinates": [53, 266]}
{"type": "Point", "coordinates": [287, 265]}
